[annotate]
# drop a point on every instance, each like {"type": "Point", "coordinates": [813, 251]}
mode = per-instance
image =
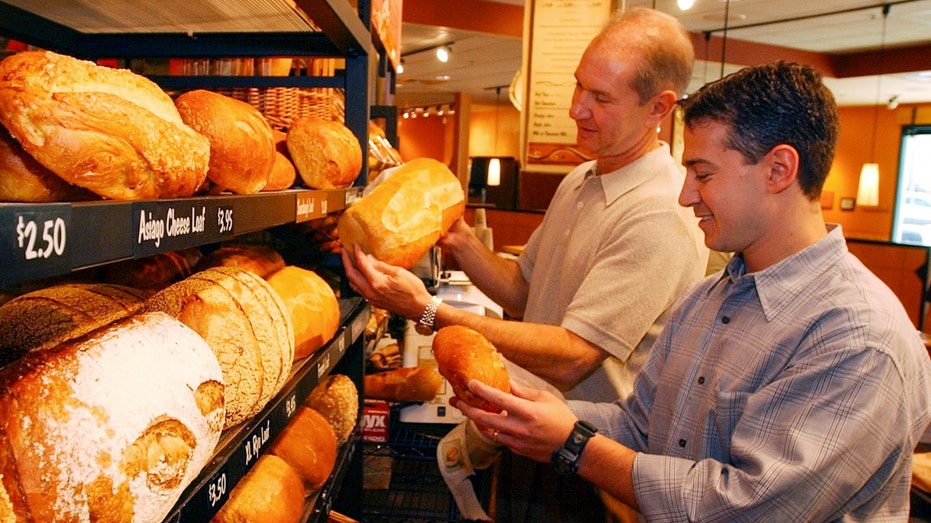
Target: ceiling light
{"type": "Point", "coordinates": [442, 53]}
{"type": "Point", "coordinates": [400, 67]}
{"type": "Point", "coordinates": [685, 5]}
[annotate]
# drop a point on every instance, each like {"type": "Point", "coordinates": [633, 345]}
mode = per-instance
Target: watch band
{"type": "Point", "coordinates": [566, 458]}
{"type": "Point", "coordinates": [428, 320]}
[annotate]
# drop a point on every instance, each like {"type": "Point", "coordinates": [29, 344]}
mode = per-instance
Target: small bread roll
{"type": "Point", "coordinates": [326, 153]}
{"type": "Point", "coordinates": [271, 492]}
{"type": "Point", "coordinates": [308, 444]}
{"type": "Point", "coordinates": [283, 172]}
{"type": "Point", "coordinates": [242, 149]}
{"type": "Point", "coordinates": [405, 384]}
{"type": "Point", "coordinates": [337, 399]}
{"type": "Point", "coordinates": [463, 354]}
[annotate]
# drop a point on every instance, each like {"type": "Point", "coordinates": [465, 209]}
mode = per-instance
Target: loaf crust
{"type": "Point", "coordinates": [325, 152]}
{"type": "Point", "coordinates": [112, 426]}
{"type": "Point", "coordinates": [242, 150]}
{"type": "Point", "coordinates": [311, 305]}
{"type": "Point", "coordinates": [463, 354]}
{"type": "Point", "coordinates": [109, 130]}
{"type": "Point", "coordinates": [271, 492]}
{"type": "Point", "coordinates": [403, 385]}
{"type": "Point", "coordinates": [23, 179]}
{"type": "Point", "coordinates": [260, 260]}
{"type": "Point", "coordinates": [403, 217]}
{"type": "Point", "coordinates": [308, 444]}
{"type": "Point", "coordinates": [337, 399]}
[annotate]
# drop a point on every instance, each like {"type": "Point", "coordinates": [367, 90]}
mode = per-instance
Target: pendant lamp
{"type": "Point", "coordinates": [868, 186]}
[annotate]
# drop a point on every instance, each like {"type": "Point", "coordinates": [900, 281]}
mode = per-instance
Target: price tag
{"type": "Point", "coordinates": [252, 446]}
{"type": "Point", "coordinates": [310, 205]}
{"type": "Point", "coordinates": [225, 220]}
{"type": "Point", "coordinates": [35, 241]}
{"type": "Point", "coordinates": [170, 225]}
{"type": "Point", "coordinates": [217, 490]}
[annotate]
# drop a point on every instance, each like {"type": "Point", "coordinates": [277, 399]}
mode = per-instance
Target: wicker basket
{"type": "Point", "coordinates": [283, 105]}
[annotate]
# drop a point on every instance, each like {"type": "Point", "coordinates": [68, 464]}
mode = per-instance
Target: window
{"type": "Point", "coordinates": [912, 218]}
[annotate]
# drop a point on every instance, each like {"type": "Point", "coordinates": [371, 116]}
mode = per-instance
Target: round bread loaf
{"type": "Point", "coordinates": [111, 131]}
{"type": "Point", "coordinates": [23, 179]}
{"type": "Point", "coordinates": [403, 217]}
{"type": "Point", "coordinates": [283, 172]}
{"type": "Point", "coordinates": [260, 260]}
{"type": "Point", "coordinates": [153, 273]}
{"type": "Point", "coordinates": [337, 399]}
{"type": "Point", "coordinates": [245, 324]}
{"type": "Point", "coordinates": [308, 444]}
{"type": "Point", "coordinates": [405, 384]}
{"type": "Point", "coordinates": [47, 317]}
{"type": "Point", "coordinates": [325, 152]}
{"type": "Point", "coordinates": [312, 307]}
{"type": "Point", "coordinates": [112, 426]}
{"type": "Point", "coordinates": [463, 354]}
{"type": "Point", "coordinates": [242, 150]}
{"type": "Point", "coordinates": [271, 492]}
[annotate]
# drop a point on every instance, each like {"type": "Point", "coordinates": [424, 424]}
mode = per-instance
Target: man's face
{"type": "Point", "coordinates": [608, 115]}
{"type": "Point", "coordinates": [726, 194]}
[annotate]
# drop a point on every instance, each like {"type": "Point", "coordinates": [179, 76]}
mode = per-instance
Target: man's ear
{"type": "Point", "coordinates": [782, 162]}
{"type": "Point", "coordinates": [662, 104]}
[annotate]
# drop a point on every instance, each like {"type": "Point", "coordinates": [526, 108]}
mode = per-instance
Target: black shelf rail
{"type": "Point", "coordinates": [241, 446]}
{"type": "Point", "coordinates": [45, 240]}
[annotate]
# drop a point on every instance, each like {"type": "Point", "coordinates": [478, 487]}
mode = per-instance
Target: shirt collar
{"type": "Point", "coordinates": [616, 183]}
{"type": "Point", "coordinates": [776, 285]}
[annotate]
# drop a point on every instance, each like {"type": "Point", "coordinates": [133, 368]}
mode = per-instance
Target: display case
{"type": "Point", "coordinates": [39, 241]}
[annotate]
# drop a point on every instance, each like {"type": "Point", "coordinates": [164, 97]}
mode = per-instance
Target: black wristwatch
{"type": "Point", "coordinates": [566, 458]}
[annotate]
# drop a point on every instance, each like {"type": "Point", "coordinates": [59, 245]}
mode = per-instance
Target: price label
{"type": "Point", "coordinates": [36, 241]}
{"type": "Point", "coordinates": [290, 406]}
{"type": "Point", "coordinates": [225, 220]}
{"type": "Point", "coordinates": [309, 205]}
{"type": "Point", "coordinates": [216, 490]}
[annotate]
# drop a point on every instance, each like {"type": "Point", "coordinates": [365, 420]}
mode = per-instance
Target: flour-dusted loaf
{"type": "Point", "coordinates": [337, 399]}
{"type": "Point", "coordinates": [271, 492]}
{"type": "Point", "coordinates": [246, 325]}
{"type": "Point", "coordinates": [406, 214]}
{"type": "Point", "coordinates": [311, 304]}
{"type": "Point", "coordinates": [109, 130]}
{"type": "Point", "coordinates": [110, 427]}
{"type": "Point", "coordinates": [308, 444]}
{"type": "Point", "coordinates": [242, 150]}
{"type": "Point", "coordinates": [46, 317]}
{"type": "Point", "coordinates": [325, 152]}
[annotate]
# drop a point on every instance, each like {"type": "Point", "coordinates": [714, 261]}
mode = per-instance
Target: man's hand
{"type": "Point", "coordinates": [385, 286]}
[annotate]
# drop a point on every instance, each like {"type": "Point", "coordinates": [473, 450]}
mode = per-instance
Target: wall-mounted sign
{"type": "Point", "coordinates": [559, 32]}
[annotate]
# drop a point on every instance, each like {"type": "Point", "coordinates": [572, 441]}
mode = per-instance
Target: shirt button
{"type": "Point", "coordinates": [725, 320]}
{"type": "Point", "coordinates": [701, 380]}
{"type": "Point", "coordinates": [682, 443]}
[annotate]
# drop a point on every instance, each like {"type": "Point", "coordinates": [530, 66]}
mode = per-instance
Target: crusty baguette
{"type": "Point", "coordinates": [111, 426]}
{"type": "Point", "coordinates": [404, 216]}
{"type": "Point", "coordinates": [404, 384]}
{"type": "Point", "coordinates": [463, 354]}
{"type": "Point", "coordinates": [108, 130]}
{"type": "Point", "coordinates": [242, 150]}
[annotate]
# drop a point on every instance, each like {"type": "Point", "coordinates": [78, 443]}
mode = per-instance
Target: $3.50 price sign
{"type": "Point", "coordinates": [36, 241]}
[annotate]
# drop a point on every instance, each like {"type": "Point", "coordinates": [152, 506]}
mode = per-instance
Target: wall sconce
{"type": "Point", "coordinates": [494, 172]}
{"type": "Point", "coordinates": [868, 188]}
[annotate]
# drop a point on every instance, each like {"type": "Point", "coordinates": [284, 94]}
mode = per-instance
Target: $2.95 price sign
{"type": "Point", "coordinates": [35, 241]}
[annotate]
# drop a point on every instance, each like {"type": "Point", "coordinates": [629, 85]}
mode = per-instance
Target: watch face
{"type": "Point", "coordinates": [423, 329]}
{"type": "Point", "coordinates": [564, 464]}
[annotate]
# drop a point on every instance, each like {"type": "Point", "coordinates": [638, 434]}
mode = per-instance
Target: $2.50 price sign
{"type": "Point", "coordinates": [35, 239]}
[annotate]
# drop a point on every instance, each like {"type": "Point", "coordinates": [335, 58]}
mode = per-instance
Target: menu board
{"type": "Point", "coordinates": [560, 30]}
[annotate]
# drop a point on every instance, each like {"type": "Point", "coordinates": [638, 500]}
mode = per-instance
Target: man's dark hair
{"type": "Point", "coordinates": [769, 105]}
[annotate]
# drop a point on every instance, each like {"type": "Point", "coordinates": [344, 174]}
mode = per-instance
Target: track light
{"type": "Point", "coordinates": [442, 53]}
{"type": "Point", "coordinates": [685, 5]}
{"type": "Point", "coordinates": [400, 67]}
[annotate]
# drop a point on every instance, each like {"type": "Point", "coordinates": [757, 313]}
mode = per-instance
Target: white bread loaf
{"type": "Point", "coordinates": [325, 152]}
{"type": "Point", "coordinates": [47, 317]}
{"type": "Point", "coordinates": [270, 493]}
{"type": "Point", "coordinates": [403, 217]}
{"type": "Point", "coordinates": [112, 426]}
{"type": "Point", "coordinates": [245, 324]}
{"type": "Point", "coordinates": [242, 150]}
{"type": "Point", "coordinates": [312, 307]}
{"type": "Point", "coordinates": [108, 130]}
